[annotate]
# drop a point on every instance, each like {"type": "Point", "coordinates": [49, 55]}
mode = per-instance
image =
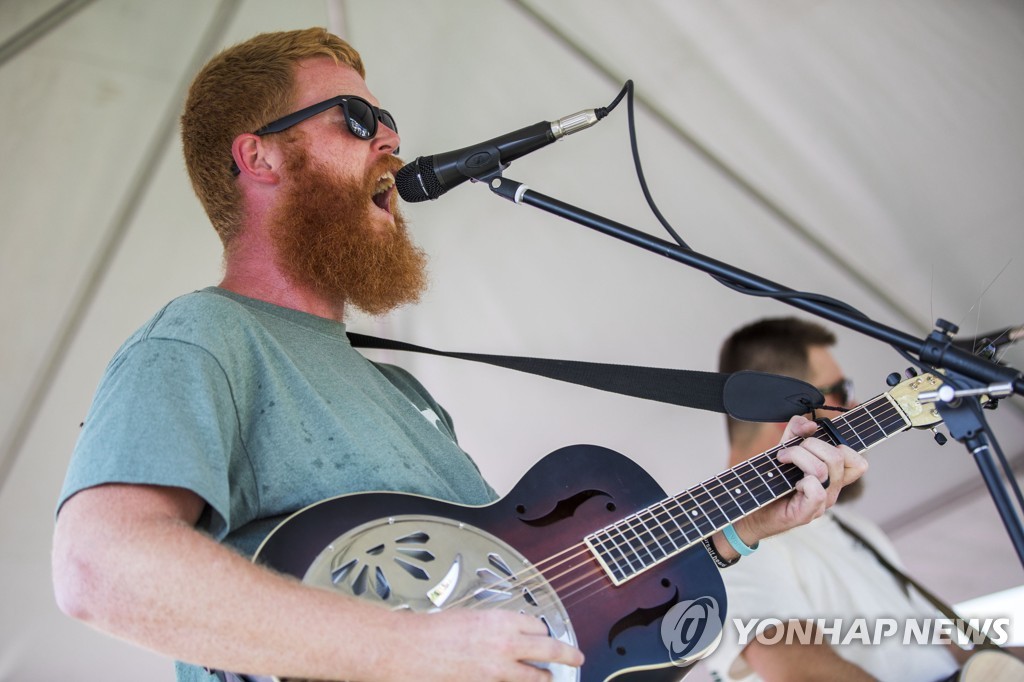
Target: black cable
{"type": "Point", "coordinates": [820, 298]}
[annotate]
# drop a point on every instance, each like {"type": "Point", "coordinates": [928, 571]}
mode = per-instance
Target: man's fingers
{"type": "Point", "coordinates": [807, 461]}
{"type": "Point", "coordinates": [815, 498]}
{"type": "Point", "coordinates": [550, 650]}
{"type": "Point", "coordinates": [855, 464]}
{"type": "Point", "coordinates": [799, 427]}
{"type": "Point", "coordinates": [539, 645]}
{"type": "Point", "coordinates": [528, 625]}
{"type": "Point", "coordinates": [832, 466]}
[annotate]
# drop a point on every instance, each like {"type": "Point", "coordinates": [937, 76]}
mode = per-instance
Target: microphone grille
{"type": "Point", "coordinates": [417, 181]}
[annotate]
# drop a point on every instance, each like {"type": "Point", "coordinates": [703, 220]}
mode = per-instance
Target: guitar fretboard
{"type": "Point", "coordinates": [666, 528]}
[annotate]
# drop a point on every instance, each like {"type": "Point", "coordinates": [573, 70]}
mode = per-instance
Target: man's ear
{"type": "Point", "coordinates": [253, 158]}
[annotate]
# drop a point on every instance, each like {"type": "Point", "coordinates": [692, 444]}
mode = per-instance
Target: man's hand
{"type": "Point", "coordinates": [485, 645]}
{"type": "Point", "coordinates": [820, 462]}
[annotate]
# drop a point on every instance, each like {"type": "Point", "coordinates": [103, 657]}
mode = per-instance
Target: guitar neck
{"type": "Point", "coordinates": [653, 534]}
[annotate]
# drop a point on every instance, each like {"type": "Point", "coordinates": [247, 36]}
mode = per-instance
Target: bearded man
{"type": "Point", "coordinates": [238, 404]}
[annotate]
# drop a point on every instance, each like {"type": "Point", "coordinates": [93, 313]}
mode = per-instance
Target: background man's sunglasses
{"type": "Point", "coordinates": [842, 389]}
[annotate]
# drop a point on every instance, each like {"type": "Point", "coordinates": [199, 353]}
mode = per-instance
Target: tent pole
{"type": "Point", "coordinates": [85, 294]}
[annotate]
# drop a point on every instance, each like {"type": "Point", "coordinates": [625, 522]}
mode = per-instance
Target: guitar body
{"type": "Point", "coordinates": [523, 552]}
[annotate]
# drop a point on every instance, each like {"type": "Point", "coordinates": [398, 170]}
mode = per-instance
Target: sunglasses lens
{"type": "Point", "coordinates": [360, 119]}
{"type": "Point", "coordinates": [847, 391]}
{"type": "Point", "coordinates": [388, 120]}
{"type": "Point", "coordinates": [843, 390]}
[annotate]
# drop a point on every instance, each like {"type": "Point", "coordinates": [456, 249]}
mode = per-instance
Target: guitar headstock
{"type": "Point", "coordinates": [905, 394]}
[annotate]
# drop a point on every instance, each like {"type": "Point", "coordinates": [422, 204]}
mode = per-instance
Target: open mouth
{"type": "Point", "coordinates": [383, 191]}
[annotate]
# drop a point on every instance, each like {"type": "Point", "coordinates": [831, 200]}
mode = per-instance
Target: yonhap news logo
{"type": "Point", "coordinates": [690, 628]}
{"type": "Point", "coordinates": [694, 628]}
{"type": "Point", "coordinates": [872, 631]}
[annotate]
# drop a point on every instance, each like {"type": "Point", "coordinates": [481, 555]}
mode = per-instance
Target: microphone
{"type": "Point", "coordinates": [428, 177]}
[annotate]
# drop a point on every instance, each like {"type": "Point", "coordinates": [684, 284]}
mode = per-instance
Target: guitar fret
{"type": "Point", "coordinates": [668, 533]}
{"type": "Point", "coordinates": [737, 509]}
{"type": "Point", "coordinates": [780, 483]}
{"type": "Point", "coordinates": [623, 557]}
{"type": "Point", "coordinates": [895, 418]}
{"type": "Point", "coordinates": [619, 569]}
{"type": "Point", "coordinates": [596, 545]}
{"type": "Point", "coordinates": [724, 518]}
{"type": "Point", "coordinates": [871, 432]}
{"type": "Point", "coordinates": [689, 515]}
{"type": "Point", "coordinates": [697, 514]}
{"type": "Point", "coordinates": [647, 545]}
{"type": "Point", "coordinates": [745, 508]}
{"type": "Point", "coordinates": [638, 535]}
{"type": "Point", "coordinates": [765, 486]}
{"type": "Point", "coordinates": [687, 539]}
{"type": "Point", "coordinates": [855, 433]}
{"type": "Point", "coordinates": [629, 541]}
{"type": "Point", "coordinates": [726, 499]}
{"type": "Point", "coordinates": [880, 427]}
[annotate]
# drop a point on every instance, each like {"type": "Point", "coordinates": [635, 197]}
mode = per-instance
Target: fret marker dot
{"type": "Point", "coordinates": [694, 512]}
{"type": "Point", "coordinates": [770, 474]}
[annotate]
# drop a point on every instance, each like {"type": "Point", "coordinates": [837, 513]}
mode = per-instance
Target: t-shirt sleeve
{"type": "Point", "coordinates": [162, 415]}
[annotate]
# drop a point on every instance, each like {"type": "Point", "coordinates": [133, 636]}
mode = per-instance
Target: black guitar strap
{"type": "Point", "coordinates": [905, 580]}
{"type": "Point", "coordinates": [686, 388]}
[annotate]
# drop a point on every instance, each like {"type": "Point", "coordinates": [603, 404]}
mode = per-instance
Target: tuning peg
{"type": "Point", "coordinates": [940, 437]}
{"type": "Point", "coordinates": [893, 379]}
{"type": "Point", "coordinates": [911, 372]}
{"type": "Point", "coordinates": [947, 328]}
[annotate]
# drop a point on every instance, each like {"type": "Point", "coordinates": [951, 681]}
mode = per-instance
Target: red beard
{"type": "Point", "coordinates": [325, 241]}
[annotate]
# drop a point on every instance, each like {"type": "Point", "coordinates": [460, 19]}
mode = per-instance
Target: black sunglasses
{"type": "Point", "coordinates": [842, 389]}
{"type": "Point", "coordinates": [360, 115]}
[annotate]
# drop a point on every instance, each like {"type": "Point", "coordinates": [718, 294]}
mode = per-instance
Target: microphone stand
{"type": "Point", "coordinates": [967, 375]}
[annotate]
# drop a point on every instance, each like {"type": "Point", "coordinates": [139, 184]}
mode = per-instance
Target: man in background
{"type": "Point", "coordinates": [818, 570]}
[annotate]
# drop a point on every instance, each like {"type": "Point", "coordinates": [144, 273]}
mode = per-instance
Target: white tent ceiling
{"type": "Point", "coordinates": [871, 151]}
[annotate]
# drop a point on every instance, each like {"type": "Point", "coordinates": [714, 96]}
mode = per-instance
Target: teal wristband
{"type": "Point", "coordinates": [736, 542]}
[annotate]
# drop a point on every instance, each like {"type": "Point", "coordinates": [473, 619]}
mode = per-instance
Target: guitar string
{"type": "Point", "coordinates": [540, 568]}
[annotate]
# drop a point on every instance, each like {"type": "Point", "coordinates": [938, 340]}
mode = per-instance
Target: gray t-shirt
{"type": "Point", "coordinates": [262, 410]}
